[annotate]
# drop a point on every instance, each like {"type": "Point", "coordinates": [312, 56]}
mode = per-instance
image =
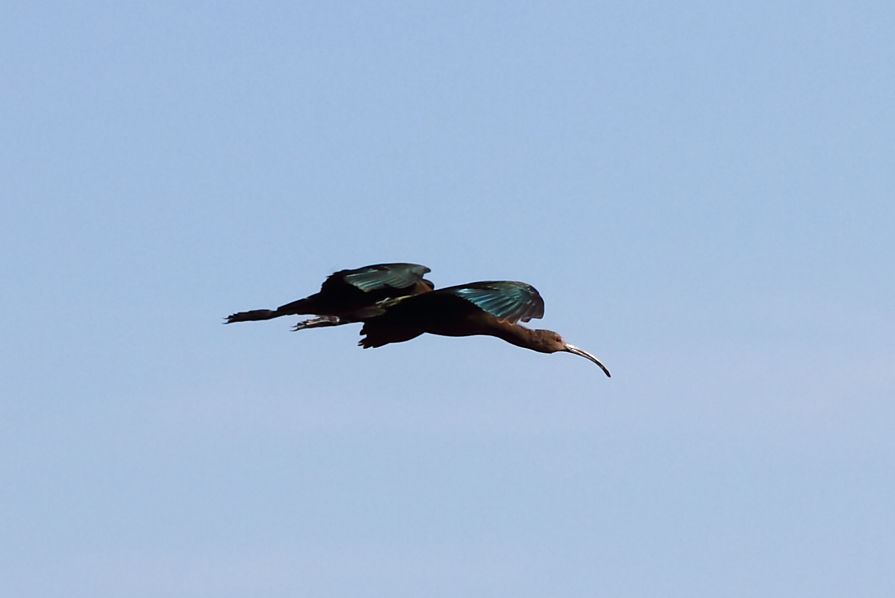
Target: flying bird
{"type": "Point", "coordinates": [348, 296]}
{"type": "Point", "coordinates": [492, 308]}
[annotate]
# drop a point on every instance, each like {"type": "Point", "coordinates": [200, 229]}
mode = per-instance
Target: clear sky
{"type": "Point", "coordinates": [703, 193]}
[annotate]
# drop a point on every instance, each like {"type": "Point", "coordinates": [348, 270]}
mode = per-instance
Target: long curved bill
{"type": "Point", "coordinates": [586, 355]}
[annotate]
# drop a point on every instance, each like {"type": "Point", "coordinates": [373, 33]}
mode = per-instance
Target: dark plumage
{"type": "Point", "coordinates": [349, 295]}
{"type": "Point", "coordinates": [492, 308]}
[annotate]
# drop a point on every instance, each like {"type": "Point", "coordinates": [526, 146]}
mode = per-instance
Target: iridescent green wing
{"type": "Point", "coordinates": [505, 300]}
{"type": "Point", "coordinates": [380, 276]}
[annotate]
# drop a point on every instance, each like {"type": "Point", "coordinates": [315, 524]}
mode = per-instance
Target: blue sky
{"type": "Point", "coordinates": [702, 192]}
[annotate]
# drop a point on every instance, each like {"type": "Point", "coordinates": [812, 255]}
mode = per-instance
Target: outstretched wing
{"type": "Point", "coordinates": [379, 276]}
{"type": "Point", "coordinates": [505, 300]}
{"type": "Point", "coordinates": [345, 294]}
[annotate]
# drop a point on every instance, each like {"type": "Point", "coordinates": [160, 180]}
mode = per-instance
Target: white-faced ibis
{"type": "Point", "coordinates": [345, 295]}
{"type": "Point", "coordinates": [488, 308]}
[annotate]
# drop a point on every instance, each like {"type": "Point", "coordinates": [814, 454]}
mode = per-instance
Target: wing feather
{"type": "Point", "coordinates": [380, 276]}
{"type": "Point", "coordinates": [506, 300]}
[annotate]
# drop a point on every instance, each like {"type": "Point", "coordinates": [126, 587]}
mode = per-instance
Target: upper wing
{"type": "Point", "coordinates": [505, 300]}
{"type": "Point", "coordinates": [380, 276]}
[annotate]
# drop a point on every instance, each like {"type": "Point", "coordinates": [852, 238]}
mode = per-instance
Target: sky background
{"type": "Point", "coordinates": [701, 191]}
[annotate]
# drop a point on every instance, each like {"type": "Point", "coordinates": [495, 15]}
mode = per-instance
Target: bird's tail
{"type": "Point", "coordinates": [377, 335]}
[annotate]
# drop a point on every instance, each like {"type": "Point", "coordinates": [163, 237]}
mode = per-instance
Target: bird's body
{"type": "Point", "coordinates": [349, 295]}
{"type": "Point", "coordinates": [492, 308]}
{"type": "Point", "coordinates": [397, 304]}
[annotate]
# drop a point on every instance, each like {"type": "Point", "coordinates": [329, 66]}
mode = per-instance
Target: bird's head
{"type": "Point", "coordinates": [547, 341]}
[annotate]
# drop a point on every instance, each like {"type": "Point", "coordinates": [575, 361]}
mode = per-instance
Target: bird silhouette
{"type": "Point", "coordinates": [348, 296]}
{"type": "Point", "coordinates": [492, 308]}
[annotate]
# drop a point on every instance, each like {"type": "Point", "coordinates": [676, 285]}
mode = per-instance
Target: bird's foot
{"type": "Point", "coordinates": [318, 322]}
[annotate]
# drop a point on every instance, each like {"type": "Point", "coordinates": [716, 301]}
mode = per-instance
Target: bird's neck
{"type": "Point", "coordinates": [518, 335]}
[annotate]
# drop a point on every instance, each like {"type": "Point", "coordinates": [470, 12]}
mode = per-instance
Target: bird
{"type": "Point", "coordinates": [348, 296]}
{"type": "Point", "coordinates": [492, 308]}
